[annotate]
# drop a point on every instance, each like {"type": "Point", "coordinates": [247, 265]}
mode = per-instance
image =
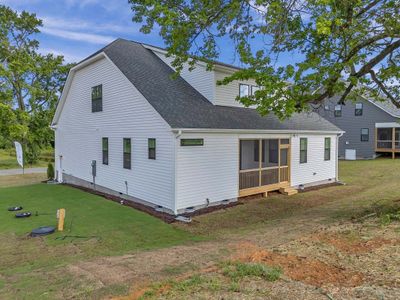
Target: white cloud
{"type": "Point", "coordinates": [85, 31]}
{"type": "Point", "coordinates": [78, 36]}
{"type": "Point", "coordinates": [68, 57]}
{"type": "Point", "coordinates": [81, 3]}
{"type": "Point", "coordinates": [78, 24]}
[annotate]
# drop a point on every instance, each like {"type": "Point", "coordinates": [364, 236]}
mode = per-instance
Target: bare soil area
{"type": "Point", "coordinates": [340, 261]}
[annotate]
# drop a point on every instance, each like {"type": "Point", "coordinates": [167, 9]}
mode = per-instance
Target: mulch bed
{"type": "Point", "coordinates": [168, 218]}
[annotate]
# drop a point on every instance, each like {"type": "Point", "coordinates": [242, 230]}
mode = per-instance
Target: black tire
{"type": "Point", "coordinates": [15, 208]}
{"type": "Point", "coordinates": [23, 215]}
{"type": "Point", "coordinates": [44, 230]}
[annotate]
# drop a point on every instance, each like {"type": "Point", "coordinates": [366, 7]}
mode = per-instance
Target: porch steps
{"type": "Point", "coordinates": [288, 191]}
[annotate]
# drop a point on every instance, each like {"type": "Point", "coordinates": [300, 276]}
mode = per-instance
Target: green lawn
{"type": "Point", "coordinates": [106, 228]}
{"type": "Point", "coordinates": [369, 185]}
{"type": "Point", "coordinates": [8, 159]}
{"type": "Point", "coordinates": [38, 268]}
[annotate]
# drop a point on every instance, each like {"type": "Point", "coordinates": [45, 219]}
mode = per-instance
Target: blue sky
{"type": "Point", "coordinates": [77, 28]}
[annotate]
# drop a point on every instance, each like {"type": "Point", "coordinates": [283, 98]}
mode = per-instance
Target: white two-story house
{"type": "Point", "coordinates": [125, 126]}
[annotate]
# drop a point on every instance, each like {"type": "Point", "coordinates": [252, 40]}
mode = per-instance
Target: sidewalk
{"type": "Point", "coordinates": [19, 171]}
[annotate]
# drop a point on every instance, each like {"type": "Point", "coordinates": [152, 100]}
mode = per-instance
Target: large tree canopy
{"type": "Point", "coordinates": [30, 83]}
{"type": "Point", "coordinates": [338, 46]}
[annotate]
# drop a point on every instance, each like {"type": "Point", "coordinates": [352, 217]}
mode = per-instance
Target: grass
{"type": "Point", "coordinates": [94, 227]}
{"type": "Point", "coordinates": [19, 180]}
{"type": "Point", "coordinates": [105, 228]}
{"type": "Point", "coordinates": [8, 159]}
{"type": "Point", "coordinates": [239, 270]}
{"type": "Point", "coordinates": [370, 185]}
{"type": "Point", "coordinates": [228, 280]}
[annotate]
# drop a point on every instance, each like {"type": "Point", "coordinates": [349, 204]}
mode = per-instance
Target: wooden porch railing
{"type": "Point", "coordinates": [391, 145]}
{"type": "Point", "coordinates": [261, 177]}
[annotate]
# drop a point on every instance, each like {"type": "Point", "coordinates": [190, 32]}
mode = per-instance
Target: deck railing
{"type": "Point", "coordinates": [261, 177]}
{"type": "Point", "coordinates": [384, 144]}
{"type": "Point", "coordinates": [387, 144]}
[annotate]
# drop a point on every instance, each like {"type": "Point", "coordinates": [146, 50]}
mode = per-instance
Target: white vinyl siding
{"type": "Point", "coordinates": [208, 171]}
{"type": "Point", "coordinates": [212, 171]}
{"type": "Point", "coordinates": [226, 94]}
{"type": "Point", "coordinates": [199, 78]}
{"type": "Point", "coordinates": [205, 82]}
{"type": "Point", "coordinates": [316, 169]}
{"type": "Point", "coordinates": [126, 114]}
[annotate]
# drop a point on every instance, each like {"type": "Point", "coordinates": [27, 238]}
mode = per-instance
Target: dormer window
{"type": "Point", "coordinates": [97, 98]}
{"type": "Point", "coordinates": [244, 90]}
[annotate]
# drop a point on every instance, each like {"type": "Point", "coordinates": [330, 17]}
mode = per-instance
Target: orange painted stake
{"type": "Point", "coordinates": [61, 217]}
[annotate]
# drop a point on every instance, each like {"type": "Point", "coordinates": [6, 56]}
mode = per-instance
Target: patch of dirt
{"type": "Point", "coordinates": [137, 293]}
{"type": "Point", "coordinates": [343, 244]}
{"type": "Point", "coordinates": [305, 269]}
{"type": "Point", "coordinates": [142, 267]}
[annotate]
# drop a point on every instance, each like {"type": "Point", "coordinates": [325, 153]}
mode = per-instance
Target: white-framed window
{"type": "Point", "coordinates": [359, 109]}
{"type": "Point", "coordinates": [97, 98]}
{"type": "Point", "coordinates": [254, 88]}
{"type": "Point", "coordinates": [364, 134]}
{"type": "Point", "coordinates": [244, 90]}
{"type": "Point", "coordinates": [338, 110]}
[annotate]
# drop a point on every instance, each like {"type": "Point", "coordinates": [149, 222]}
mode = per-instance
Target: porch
{"type": "Point", "coordinates": [264, 166]}
{"type": "Point", "coordinates": [387, 138]}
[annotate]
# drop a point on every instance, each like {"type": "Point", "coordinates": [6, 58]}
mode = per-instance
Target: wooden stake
{"type": "Point", "coordinates": [61, 217]}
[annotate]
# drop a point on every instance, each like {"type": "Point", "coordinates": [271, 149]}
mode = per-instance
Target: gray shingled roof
{"type": "Point", "coordinates": [182, 106]}
{"type": "Point", "coordinates": [387, 106]}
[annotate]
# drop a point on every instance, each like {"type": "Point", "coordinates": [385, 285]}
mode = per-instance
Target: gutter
{"type": "Point", "coordinates": [179, 133]}
{"type": "Point", "coordinates": [253, 131]}
{"type": "Point", "coordinates": [337, 155]}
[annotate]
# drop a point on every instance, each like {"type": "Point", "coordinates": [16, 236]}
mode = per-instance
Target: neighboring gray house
{"type": "Point", "coordinates": [370, 127]}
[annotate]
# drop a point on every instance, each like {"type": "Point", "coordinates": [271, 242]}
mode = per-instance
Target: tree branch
{"type": "Point", "coordinates": [374, 61]}
{"type": "Point", "coordinates": [395, 101]}
{"type": "Point", "coordinates": [367, 8]}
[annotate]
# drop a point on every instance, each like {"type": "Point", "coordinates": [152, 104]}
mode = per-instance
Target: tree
{"type": "Point", "coordinates": [30, 82]}
{"type": "Point", "coordinates": [10, 128]}
{"type": "Point", "coordinates": [340, 46]}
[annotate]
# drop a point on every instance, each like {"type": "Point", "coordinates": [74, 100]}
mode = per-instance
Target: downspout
{"type": "Point", "coordinates": [54, 128]}
{"type": "Point", "coordinates": [337, 156]}
{"type": "Point", "coordinates": [176, 170]}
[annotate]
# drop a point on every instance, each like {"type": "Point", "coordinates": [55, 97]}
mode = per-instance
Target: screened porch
{"type": "Point", "coordinates": [264, 165]}
{"type": "Point", "coordinates": [387, 139]}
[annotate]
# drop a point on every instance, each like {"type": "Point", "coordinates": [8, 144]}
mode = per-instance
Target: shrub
{"type": "Point", "coordinates": [50, 171]}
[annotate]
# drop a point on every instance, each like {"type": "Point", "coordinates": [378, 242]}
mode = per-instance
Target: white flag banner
{"type": "Point", "coordinates": [20, 155]}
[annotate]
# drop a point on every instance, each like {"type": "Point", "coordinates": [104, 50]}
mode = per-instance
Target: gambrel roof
{"type": "Point", "coordinates": [182, 106]}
